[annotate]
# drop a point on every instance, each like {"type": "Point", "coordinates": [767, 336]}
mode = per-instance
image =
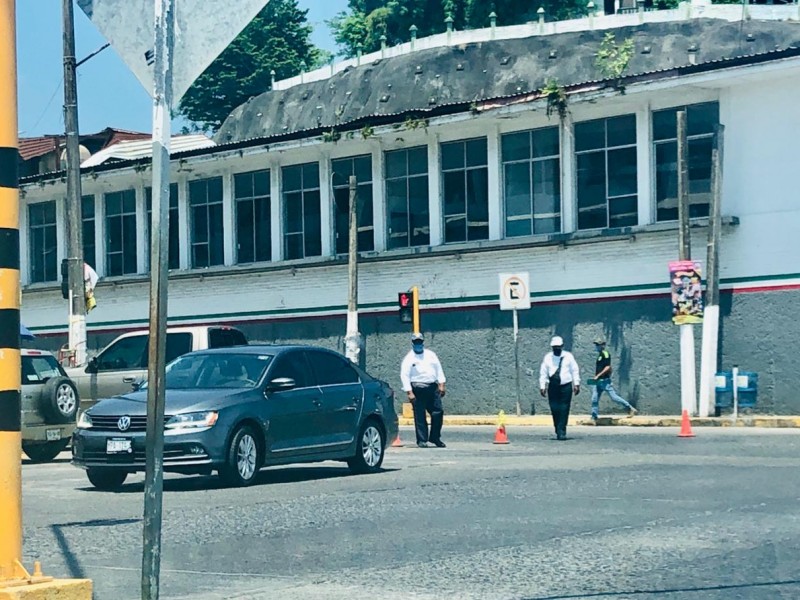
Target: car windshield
{"type": "Point", "coordinates": [214, 371]}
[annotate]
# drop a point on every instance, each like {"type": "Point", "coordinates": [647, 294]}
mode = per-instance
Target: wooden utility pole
{"type": "Point", "coordinates": [688, 376]}
{"type": "Point", "coordinates": [353, 336]}
{"type": "Point", "coordinates": [710, 347]}
{"type": "Point", "coordinates": [73, 222]}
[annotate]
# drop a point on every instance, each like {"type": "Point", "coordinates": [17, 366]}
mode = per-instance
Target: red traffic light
{"type": "Point", "coordinates": [404, 298]}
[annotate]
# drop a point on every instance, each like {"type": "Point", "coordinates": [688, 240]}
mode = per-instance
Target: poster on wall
{"type": "Point", "coordinates": [687, 292]}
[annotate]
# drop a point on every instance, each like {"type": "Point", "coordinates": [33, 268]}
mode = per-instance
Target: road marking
{"type": "Point", "coordinates": [189, 572]}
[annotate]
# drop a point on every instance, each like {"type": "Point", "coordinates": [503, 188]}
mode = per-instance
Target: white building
{"type": "Point", "coordinates": [463, 174]}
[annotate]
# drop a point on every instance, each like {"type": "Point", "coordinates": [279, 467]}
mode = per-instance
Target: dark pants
{"type": "Point", "coordinates": [427, 399]}
{"type": "Point", "coordinates": [560, 398]}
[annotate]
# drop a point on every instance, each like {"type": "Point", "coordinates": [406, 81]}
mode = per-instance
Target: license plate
{"type": "Point", "coordinates": [118, 446]}
{"type": "Point", "coordinates": [53, 435]}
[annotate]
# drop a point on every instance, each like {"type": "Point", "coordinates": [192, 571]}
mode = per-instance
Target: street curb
{"type": "Point", "coordinates": [785, 422]}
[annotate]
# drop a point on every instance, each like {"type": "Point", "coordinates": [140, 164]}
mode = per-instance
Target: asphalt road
{"type": "Point", "coordinates": [611, 513]}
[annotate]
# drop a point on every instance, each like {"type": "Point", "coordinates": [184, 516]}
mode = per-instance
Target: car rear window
{"type": "Point", "coordinates": [331, 369]}
{"type": "Point", "coordinates": [223, 337]}
{"type": "Point", "coordinates": [38, 369]}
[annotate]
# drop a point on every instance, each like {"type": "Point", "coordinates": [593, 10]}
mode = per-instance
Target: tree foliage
{"type": "Point", "coordinates": [366, 21]}
{"type": "Point", "coordinates": [278, 38]}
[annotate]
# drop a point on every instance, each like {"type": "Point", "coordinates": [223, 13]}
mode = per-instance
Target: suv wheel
{"type": "Point", "coordinates": [42, 452]}
{"type": "Point", "coordinates": [370, 447]}
{"type": "Point", "coordinates": [243, 459]}
{"type": "Point", "coordinates": [59, 400]}
{"type": "Point", "coordinates": [106, 479]}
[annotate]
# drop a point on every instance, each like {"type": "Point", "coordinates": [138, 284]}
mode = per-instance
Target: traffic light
{"type": "Point", "coordinates": [405, 304]}
{"type": "Point", "coordinates": [65, 279]}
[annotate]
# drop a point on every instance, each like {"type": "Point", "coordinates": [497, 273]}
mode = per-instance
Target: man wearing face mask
{"type": "Point", "coordinates": [603, 382]}
{"type": "Point", "coordinates": [559, 377]}
{"type": "Point", "coordinates": [424, 381]}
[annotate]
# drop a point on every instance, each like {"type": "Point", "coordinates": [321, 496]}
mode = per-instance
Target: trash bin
{"type": "Point", "coordinates": [746, 390]}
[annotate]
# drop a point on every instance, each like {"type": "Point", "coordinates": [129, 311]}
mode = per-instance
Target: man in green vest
{"type": "Point", "coordinates": [603, 381]}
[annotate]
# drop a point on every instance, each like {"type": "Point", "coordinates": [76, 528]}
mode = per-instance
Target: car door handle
{"type": "Point", "coordinates": [128, 379]}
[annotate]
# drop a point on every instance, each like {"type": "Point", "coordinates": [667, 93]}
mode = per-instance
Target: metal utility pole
{"type": "Point", "coordinates": [74, 219]}
{"type": "Point", "coordinates": [156, 373]}
{"type": "Point", "coordinates": [710, 348]}
{"type": "Point", "coordinates": [353, 337]}
{"type": "Point", "coordinates": [688, 377]}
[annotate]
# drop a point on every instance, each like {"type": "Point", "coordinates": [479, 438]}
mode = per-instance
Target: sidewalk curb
{"type": "Point", "coordinates": [785, 422]}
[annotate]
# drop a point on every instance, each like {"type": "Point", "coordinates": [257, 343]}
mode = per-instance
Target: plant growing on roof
{"type": "Point", "coordinates": [556, 99]}
{"type": "Point", "coordinates": [331, 136]}
{"type": "Point", "coordinates": [367, 132]}
{"type": "Point", "coordinates": [612, 58]}
{"type": "Point", "coordinates": [411, 123]}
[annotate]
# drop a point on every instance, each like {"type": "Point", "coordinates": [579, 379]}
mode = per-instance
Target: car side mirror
{"type": "Point", "coordinates": [91, 367]}
{"type": "Point", "coordinates": [281, 384]}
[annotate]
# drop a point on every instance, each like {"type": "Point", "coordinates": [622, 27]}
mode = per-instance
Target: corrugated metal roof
{"type": "Point", "coordinates": [39, 146]}
{"type": "Point", "coordinates": [131, 150]}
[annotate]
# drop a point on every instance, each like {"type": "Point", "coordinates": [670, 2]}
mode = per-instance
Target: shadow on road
{"type": "Point", "coordinates": [655, 592]}
{"type": "Point", "coordinates": [266, 477]}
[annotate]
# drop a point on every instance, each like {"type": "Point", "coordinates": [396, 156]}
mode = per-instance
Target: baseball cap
{"type": "Point", "coordinates": [417, 337]}
{"type": "Point", "coordinates": [557, 341]}
{"type": "Point", "coordinates": [599, 341]}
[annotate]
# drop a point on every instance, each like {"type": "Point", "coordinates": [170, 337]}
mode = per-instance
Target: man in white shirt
{"type": "Point", "coordinates": [559, 377]}
{"type": "Point", "coordinates": [424, 381]}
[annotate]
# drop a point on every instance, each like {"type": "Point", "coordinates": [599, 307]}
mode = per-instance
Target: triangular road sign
{"type": "Point", "coordinates": [203, 29]}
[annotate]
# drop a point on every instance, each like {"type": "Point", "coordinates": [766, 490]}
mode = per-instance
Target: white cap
{"type": "Point", "coordinates": [557, 341]}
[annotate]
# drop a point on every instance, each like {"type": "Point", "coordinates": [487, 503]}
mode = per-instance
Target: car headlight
{"type": "Point", "coordinates": [84, 421]}
{"type": "Point", "coordinates": [193, 420]}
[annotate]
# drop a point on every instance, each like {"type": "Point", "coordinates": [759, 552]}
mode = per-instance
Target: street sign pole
{"type": "Point", "coordinates": [516, 362]}
{"type": "Point", "coordinates": [156, 373]}
{"type": "Point", "coordinates": [353, 337]}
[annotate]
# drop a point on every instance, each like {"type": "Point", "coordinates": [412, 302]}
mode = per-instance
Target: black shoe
{"type": "Point", "coordinates": [422, 444]}
{"type": "Point", "coordinates": [440, 444]}
{"type": "Point", "coordinates": [561, 437]}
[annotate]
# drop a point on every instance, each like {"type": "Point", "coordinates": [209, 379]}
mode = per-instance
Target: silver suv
{"type": "Point", "coordinates": [49, 406]}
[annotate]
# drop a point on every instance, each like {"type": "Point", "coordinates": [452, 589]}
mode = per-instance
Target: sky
{"type": "Point", "coordinates": [108, 94]}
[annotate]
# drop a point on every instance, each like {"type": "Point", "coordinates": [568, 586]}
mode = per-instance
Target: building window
{"type": "Point", "coordinates": [302, 231]}
{"type": "Point", "coordinates": [253, 217]}
{"type": "Point", "coordinates": [607, 187]}
{"type": "Point", "coordinates": [174, 225]}
{"type": "Point", "coordinates": [465, 179]}
{"type": "Point", "coordinates": [43, 241]}
{"type": "Point", "coordinates": [206, 227]}
{"type": "Point", "coordinates": [120, 233]}
{"type": "Point", "coordinates": [361, 167]}
{"type": "Point", "coordinates": [408, 217]}
{"type": "Point", "coordinates": [87, 218]}
{"type": "Point", "coordinates": [532, 182]}
{"type": "Point", "coordinates": [701, 119]}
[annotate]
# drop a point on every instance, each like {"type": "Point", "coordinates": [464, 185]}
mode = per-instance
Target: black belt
{"type": "Point", "coordinates": [419, 384]}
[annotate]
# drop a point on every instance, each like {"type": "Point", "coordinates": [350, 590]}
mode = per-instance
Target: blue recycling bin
{"type": "Point", "coordinates": [747, 389]}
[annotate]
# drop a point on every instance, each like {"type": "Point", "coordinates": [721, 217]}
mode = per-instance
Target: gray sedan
{"type": "Point", "coordinates": [235, 410]}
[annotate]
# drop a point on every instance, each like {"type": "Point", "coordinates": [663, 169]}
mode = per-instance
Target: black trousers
{"type": "Point", "coordinates": [427, 399]}
{"type": "Point", "coordinates": [560, 398]}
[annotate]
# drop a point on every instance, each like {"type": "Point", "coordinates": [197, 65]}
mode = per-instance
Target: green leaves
{"type": "Point", "coordinates": [277, 39]}
{"type": "Point", "coordinates": [612, 58]}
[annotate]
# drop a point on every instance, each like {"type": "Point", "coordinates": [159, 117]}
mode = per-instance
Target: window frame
{"type": "Point", "coordinates": [467, 170]}
{"type": "Point", "coordinates": [366, 228]}
{"type": "Point", "coordinates": [209, 205]}
{"type": "Point", "coordinates": [306, 232]}
{"type": "Point", "coordinates": [533, 162]}
{"type": "Point", "coordinates": [48, 252]}
{"type": "Point", "coordinates": [259, 245]}
{"type": "Point", "coordinates": [88, 229]}
{"type": "Point", "coordinates": [407, 177]}
{"type": "Point", "coordinates": [173, 245]}
{"type": "Point", "coordinates": [606, 149]}
{"type": "Point", "coordinates": [127, 220]}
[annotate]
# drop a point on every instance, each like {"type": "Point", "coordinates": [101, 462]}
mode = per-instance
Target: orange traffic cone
{"type": "Point", "coordinates": [397, 443]}
{"type": "Point", "coordinates": [500, 436]}
{"type": "Point", "coordinates": [686, 426]}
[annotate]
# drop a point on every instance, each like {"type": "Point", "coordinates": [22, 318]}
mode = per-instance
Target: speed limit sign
{"type": "Point", "coordinates": [515, 291]}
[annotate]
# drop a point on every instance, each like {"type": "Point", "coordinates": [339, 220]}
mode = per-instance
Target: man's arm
{"type": "Point", "coordinates": [543, 376]}
{"type": "Point", "coordinates": [440, 377]}
{"type": "Point", "coordinates": [576, 374]}
{"type": "Point", "coordinates": [405, 376]}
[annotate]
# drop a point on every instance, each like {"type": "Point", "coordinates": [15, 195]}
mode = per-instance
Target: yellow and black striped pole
{"type": "Point", "coordinates": [10, 436]}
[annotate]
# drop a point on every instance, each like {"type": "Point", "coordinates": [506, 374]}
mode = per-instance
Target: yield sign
{"type": "Point", "coordinates": [203, 29]}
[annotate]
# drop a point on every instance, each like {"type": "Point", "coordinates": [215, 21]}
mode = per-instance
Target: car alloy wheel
{"type": "Point", "coordinates": [371, 446]}
{"type": "Point", "coordinates": [65, 399]}
{"type": "Point", "coordinates": [246, 456]}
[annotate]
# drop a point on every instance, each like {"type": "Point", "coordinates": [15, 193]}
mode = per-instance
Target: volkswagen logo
{"type": "Point", "coordinates": [124, 423]}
